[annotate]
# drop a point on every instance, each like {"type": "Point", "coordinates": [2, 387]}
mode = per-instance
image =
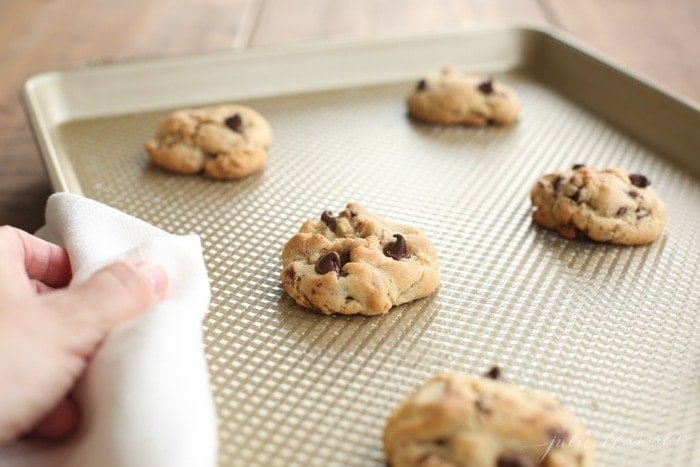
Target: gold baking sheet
{"type": "Point", "coordinates": [611, 331]}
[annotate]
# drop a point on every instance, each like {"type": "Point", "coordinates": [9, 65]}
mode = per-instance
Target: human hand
{"type": "Point", "coordinates": [49, 330]}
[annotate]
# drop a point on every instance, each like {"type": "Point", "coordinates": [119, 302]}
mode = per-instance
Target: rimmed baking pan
{"type": "Point", "coordinates": [611, 331]}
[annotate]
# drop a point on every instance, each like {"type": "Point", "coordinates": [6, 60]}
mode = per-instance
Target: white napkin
{"type": "Point", "coordinates": [145, 398]}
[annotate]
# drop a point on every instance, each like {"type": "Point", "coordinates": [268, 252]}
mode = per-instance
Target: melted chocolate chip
{"type": "Point", "coordinates": [397, 249]}
{"type": "Point", "coordinates": [441, 441]}
{"type": "Point", "coordinates": [576, 196]}
{"type": "Point", "coordinates": [422, 85]}
{"type": "Point", "coordinates": [235, 122]}
{"type": "Point", "coordinates": [494, 373]}
{"type": "Point", "coordinates": [581, 234]}
{"type": "Point", "coordinates": [622, 211]}
{"type": "Point", "coordinates": [577, 166]}
{"type": "Point", "coordinates": [557, 182]}
{"type": "Point", "coordinates": [329, 220]}
{"type": "Point", "coordinates": [639, 180]}
{"type": "Point", "coordinates": [328, 263]}
{"type": "Point", "coordinates": [344, 259]}
{"type": "Point", "coordinates": [558, 435]}
{"type": "Point", "coordinates": [514, 459]}
{"type": "Point", "coordinates": [486, 87]}
{"type": "Point", "coordinates": [633, 194]}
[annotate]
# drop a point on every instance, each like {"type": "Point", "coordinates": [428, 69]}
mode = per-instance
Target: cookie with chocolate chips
{"type": "Point", "coordinates": [457, 419]}
{"type": "Point", "coordinates": [358, 263]}
{"type": "Point", "coordinates": [453, 98]}
{"type": "Point", "coordinates": [605, 205]}
{"type": "Point", "coordinates": [225, 143]}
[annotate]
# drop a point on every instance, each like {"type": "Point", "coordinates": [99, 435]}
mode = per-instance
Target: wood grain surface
{"type": "Point", "coordinates": [657, 38]}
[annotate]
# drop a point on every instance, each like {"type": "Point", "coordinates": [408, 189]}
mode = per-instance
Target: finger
{"type": "Point", "coordinates": [41, 260]}
{"type": "Point", "coordinates": [112, 295]}
{"type": "Point", "coordinates": [59, 423]}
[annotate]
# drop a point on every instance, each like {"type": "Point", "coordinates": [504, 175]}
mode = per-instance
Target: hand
{"type": "Point", "coordinates": [49, 330]}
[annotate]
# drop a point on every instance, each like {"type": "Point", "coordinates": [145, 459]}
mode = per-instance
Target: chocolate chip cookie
{"type": "Point", "coordinates": [605, 205]}
{"type": "Point", "coordinates": [461, 420]}
{"type": "Point", "coordinates": [225, 142]}
{"type": "Point", "coordinates": [453, 98]}
{"type": "Point", "coordinates": [358, 263]}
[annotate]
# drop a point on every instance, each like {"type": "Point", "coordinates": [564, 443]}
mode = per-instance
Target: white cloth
{"type": "Point", "coordinates": [145, 399]}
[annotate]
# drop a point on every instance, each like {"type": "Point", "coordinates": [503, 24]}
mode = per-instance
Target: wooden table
{"type": "Point", "coordinates": [659, 38]}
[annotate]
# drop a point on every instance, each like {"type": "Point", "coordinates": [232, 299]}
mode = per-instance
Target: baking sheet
{"type": "Point", "coordinates": [611, 331]}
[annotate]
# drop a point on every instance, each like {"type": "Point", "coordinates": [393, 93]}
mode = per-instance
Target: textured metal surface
{"type": "Point", "coordinates": [612, 331]}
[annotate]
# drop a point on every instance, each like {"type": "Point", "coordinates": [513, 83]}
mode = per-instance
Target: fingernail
{"type": "Point", "coordinates": [157, 276]}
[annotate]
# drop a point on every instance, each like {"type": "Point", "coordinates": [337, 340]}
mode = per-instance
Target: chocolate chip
{"type": "Point", "coordinates": [397, 249]}
{"type": "Point", "coordinates": [514, 459]}
{"type": "Point", "coordinates": [639, 180]}
{"type": "Point", "coordinates": [328, 263]}
{"type": "Point", "coordinates": [422, 85]}
{"type": "Point", "coordinates": [557, 182]}
{"type": "Point", "coordinates": [577, 166]}
{"type": "Point", "coordinates": [486, 87]}
{"type": "Point", "coordinates": [442, 441]}
{"type": "Point", "coordinates": [344, 259]}
{"type": "Point", "coordinates": [558, 435]}
{"type": "Point", "coordinates": [235, 122]}
{"type": "Point", "coordinates": [290, 274]}
{"type": "Point", "coordinates": [581, 234]}
{"type": "Point", "coordinates": [494, 373]}
{"type": "Point", "coordinates": [633, 194]}
{"type": "Point", "coordinates": [576, 196]}
{"type": "Point", "coordinates": [329, 220]}
{"type": "Point", "coordinates": [621, 211]}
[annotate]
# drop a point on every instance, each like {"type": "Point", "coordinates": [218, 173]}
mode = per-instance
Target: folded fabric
{"type": "Point", "coordinates": [145, 398]}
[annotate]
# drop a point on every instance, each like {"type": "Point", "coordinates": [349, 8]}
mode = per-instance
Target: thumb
{"type": "Point", "coordinates": [113, 294]}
